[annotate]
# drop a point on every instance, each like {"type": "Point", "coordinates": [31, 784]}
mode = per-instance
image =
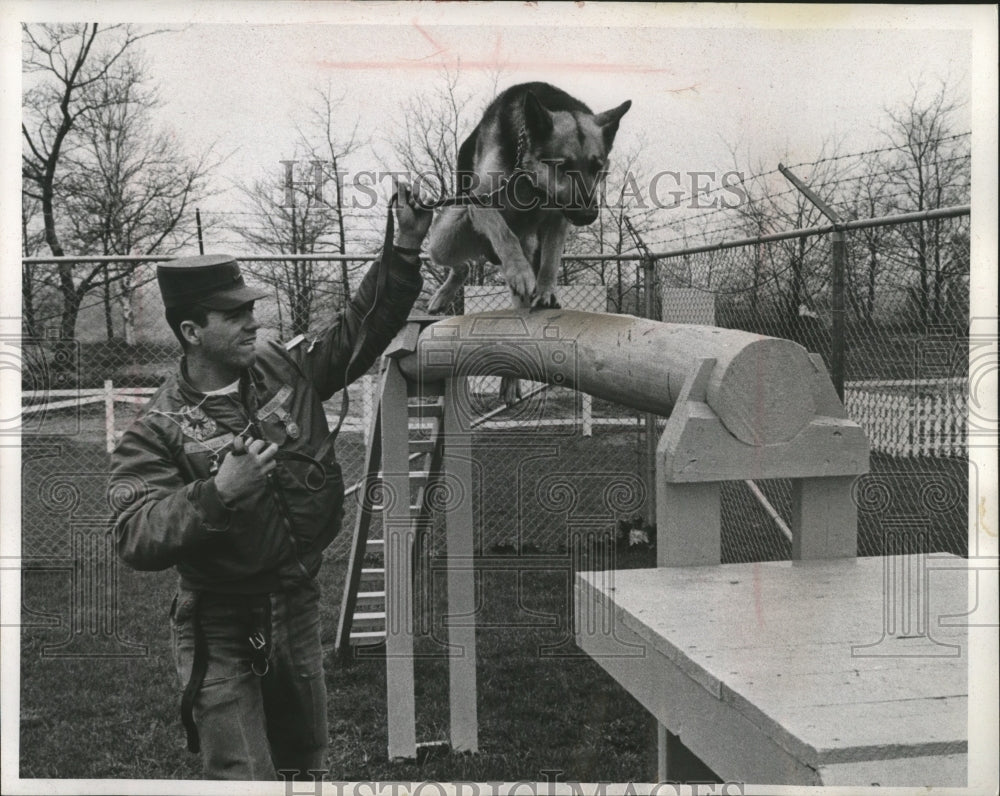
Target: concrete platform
{"type": "Point", "coordinates": [832, 672]}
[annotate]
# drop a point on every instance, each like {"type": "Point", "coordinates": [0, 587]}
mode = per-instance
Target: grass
{"type": "Point", "coordinates": [93, 717]}
{"type": "Point", "coordinates": [117, 718]}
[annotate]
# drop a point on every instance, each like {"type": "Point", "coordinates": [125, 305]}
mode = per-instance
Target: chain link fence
{"type": "Point", "coordinates": [907, 309]}
{"type": "Point", "coordinates": [560, 464]}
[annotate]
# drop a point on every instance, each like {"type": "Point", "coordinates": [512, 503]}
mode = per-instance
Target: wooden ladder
{"type": "Point", "coordinates": [407, 457]}
{"type": "Point", "coordinates": [362, 609]}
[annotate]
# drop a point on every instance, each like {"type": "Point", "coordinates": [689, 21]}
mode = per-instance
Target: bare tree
{"type": "Point", "coordinates": [129, 190]}
{"type": "Point", "coordinates": [434, 124]}
{"type": "Point", "coordinates": [785, 277]}
{"type": "Point", "coordinates": [32, 278]}
{"type": "Point", "coordinates": [866, 263]}
{"type": "Point", "coordinates": [331, 146]}
{"type": "Point", "coordinates": [928, 168]}
{"type": "Point", "coordinates": [289, 219]}
{"type": "Point", "coordinates": [63, 66]}
{"type": "Point", "coordinates": [426, 143]}
{"type": "Point", "coordinates": [105, 181]}
{"type": "Point", "coordinates": [301, 208]}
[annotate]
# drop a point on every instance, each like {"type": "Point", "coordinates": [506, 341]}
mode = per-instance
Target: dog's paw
{"type": "Point", "coordinates": [522, 285]}
{"type": "Point", "coordinates": [545, 299]}
{"type": "Point", "coordinates": [439, 302]}
{"type": "Point", "coordinates": [510, 390]}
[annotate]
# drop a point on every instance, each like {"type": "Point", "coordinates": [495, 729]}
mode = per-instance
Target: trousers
{"type": "Point", "coordinates": [259, 716]}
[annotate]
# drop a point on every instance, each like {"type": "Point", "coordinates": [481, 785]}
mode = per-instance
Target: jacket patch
{"type": "Point", "coordinates": [277, 402]}
{"type": "Point", "coordinates": [195, 423]}
{"type": "Point", "coordinates": [215, 444]}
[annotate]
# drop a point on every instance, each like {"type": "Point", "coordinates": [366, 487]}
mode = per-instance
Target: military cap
{"type": "Point", "coordinates": [211, 280]}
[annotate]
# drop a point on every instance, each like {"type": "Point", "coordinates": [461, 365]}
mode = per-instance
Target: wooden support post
{"type": "Point", "coordinates": [688, 524]}
{"type": "Point", "coordinates": [398, 567]}
{"type": "Point", "coordinates": [824, 518]}
{"type": "Point", "coordinates": [662, 761]}
{"type": "Point", "coordinates": [459, 519]}
{"type": "Point", "coordinates": [109, 414]}
{"type": "Point", "coordinates": [367, 385]}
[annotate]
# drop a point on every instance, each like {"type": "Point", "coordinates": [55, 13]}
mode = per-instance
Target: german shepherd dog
{"type": "Point", "coordinates": [536, 164]}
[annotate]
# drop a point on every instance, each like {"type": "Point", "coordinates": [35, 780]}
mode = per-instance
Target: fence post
{"type": "Point", "coordinates": [838, 343]}
{"type": "Point", "coordinates": [649, 278]}
{"type": "Point", "coordinates": [838, 332]}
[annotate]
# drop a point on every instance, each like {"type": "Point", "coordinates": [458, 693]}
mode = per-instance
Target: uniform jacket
{"type": "Point", "coordinates": [167, 510]}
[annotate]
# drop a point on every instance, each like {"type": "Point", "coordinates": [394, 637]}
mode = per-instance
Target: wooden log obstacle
{"type": "Point", "coordinates": [740, 406]}
{"type": "Point", "coordinates": [761, 388]}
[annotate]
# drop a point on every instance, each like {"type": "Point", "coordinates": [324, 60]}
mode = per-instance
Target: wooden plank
{"type": "Point", "coordinates": [398, 567]}
{"type": "Point", "coordinates": [696, 447]}
{"type": "Point", "coordinates": [878, 730]}
{"type": "Point", "coordinates": [459, 522]}
{"type": "Point", "coordinates": [809, 658]}
{"type": "Point", "coordinates": [405, 341]}
{"type": "Point", "coordinates": [715, 731]}
{"type": "Point", "coordinates": [948, 771]}
{"type": "Point", "coordinates": [424, 411]}
{"type": "Point", "coordinates": [921, 679]}
{"type": "Point", "coordinates": [776, 612]}
{"type": "Point", "coordinates": [109, 415]}
{"type": "Point", "coordinates": [777, 600]}
{"type": "Point", "coordinates": [782, 645]}
{"type": "Point", "coordinates": [35, 408]}
{"type": "Point", "coordinates": [662, 761]}
{"type": "Point", "coordinates": [871, 728]}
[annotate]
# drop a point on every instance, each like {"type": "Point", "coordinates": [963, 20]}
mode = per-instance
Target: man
{"type": "Point", "coordinates": [229, 476]}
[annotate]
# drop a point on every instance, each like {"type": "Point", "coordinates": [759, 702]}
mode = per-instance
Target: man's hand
{"type": "Point", "coordinates": [413, 217]}
{"type": "Point", "coordinates": [244, 471]}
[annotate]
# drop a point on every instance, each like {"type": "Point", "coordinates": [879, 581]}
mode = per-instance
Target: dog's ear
{"type": "Point", "coordinates": [608, 122]}
{"type": "Point", "coordinates": [537, 118]}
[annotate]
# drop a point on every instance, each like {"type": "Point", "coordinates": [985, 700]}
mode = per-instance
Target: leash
{"type": "Point", "coordinates": [315, 484]}
{"type": "Point", "coordinates": [199, 666]}
{"type": "Point", "coordinates": [466, 199]}
{"type": "Point", "coordinates": [258, 639]}
{"type": "Point", "coordinates": [381, 282]}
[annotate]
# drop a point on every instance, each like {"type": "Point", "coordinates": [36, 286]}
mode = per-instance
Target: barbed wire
{"type": "Point", "coordinates": [746, 225]}
{"type": "Point", "coordinates": [770, 197]}
{"type": "Point", "coordinates": [745, 180]}
{"type": "Point", "coordinates": [894, 148]}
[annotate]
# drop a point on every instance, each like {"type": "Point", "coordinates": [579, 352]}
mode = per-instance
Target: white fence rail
{"type": "Point", "coordinates": [911, 418]}
{"type": "Point", "coordinates": [904, 418]}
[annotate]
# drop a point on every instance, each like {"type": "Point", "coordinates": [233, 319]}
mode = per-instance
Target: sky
{"type": "Point", "coordinates": [772, 83]}
{"type": "Point", "coordinates": [773, 94]}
